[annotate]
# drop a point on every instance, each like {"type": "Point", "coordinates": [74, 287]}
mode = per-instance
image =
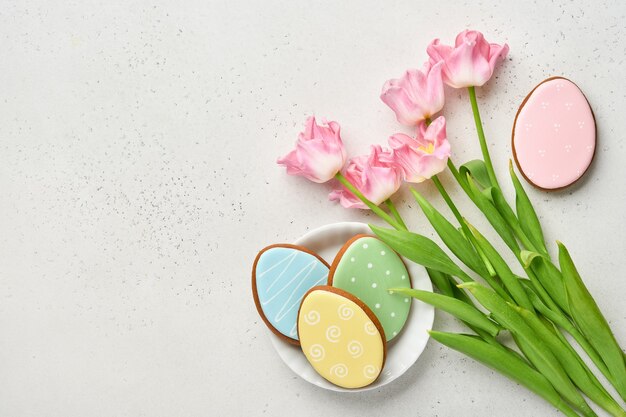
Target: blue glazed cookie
{"type": "Point", "coordinates": [281, 275]}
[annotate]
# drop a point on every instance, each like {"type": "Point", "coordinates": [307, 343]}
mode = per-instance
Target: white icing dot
{"type": "Point", "coordinates": [352, 259]}
{"type": "Point", "coordinates": [393, 314]}
{"type": "Point", "coordinates": [395, 333]}
{"type": "Point", "coordinates": [388, 272]}
{"type": "Point", "coordinates": [377, 305]}
{"type": "Point", "coordinates": [403, 277]}
{"type": "Point", "coordinates": [374, 285]}
{"type": "Point", "coordinates": [365, 246]}
{"type": "Point", "coordinates": [369, 265]}
{"type": "Point", "coordinates": [353, 279]}
{"type": "Point", "coordinates": [382, 252]}
{"type": "Point", "coordinates": [406, 300]}
{"type": "Point", "coordinates": [390, 292]}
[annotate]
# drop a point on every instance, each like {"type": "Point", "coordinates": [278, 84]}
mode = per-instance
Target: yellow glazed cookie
{"type": "Point", "coordinates": [341, 337]}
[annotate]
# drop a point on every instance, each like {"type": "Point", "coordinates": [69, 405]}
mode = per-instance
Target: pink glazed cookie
{"type": "Point", "coordinates": [554, 134]}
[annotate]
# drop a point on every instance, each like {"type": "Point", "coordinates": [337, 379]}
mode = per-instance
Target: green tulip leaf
{"type": "Point", "coordinates": [589, 319]}
{"type": "Point", "coordinates": [548, 275]}
{"type": "Point", "coordinates": [526, 214]}
{"type": "Point", "coordinates": [420, 250]}
{"type": "Point", "coordinates": [571, 362]}
{"type": "Point", "coordinates": [510, 281]}
{"type": "Point", "coordinates": [453, 239]}
{"type": "Point", "coordinates": [441, 281]}
{"type": "Point", "coordinates": [478, 170]}
{"type": "Point", "coordinates": [459, 309]}
{"type": "Point", "coordinates": [535, 349]}
{"type": "Point", "coordinates": [507, 363]}
{"type": "Point", "coordinates": [493, 216]}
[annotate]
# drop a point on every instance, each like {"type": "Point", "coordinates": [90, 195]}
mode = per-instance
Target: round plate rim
{"type": "Point", "coordinates": [417, 326]}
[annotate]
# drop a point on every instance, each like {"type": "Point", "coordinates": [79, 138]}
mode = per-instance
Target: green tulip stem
{"type": "Point", "coordinates": [466, 231]}
{"type": "Point", "coordinates": [481, 137]}
{"type": "Point", "coordinates": [448, 201]}
{"type": "Point", "coordinates": [459, 178]}
{"type": "Point", "coordinates": [377, 210]}
{"type": "Point", "coordinates": [393, 210]}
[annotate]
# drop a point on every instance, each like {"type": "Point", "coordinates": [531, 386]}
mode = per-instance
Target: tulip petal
{"type": "Point", "coordinates": [375, 175]}
{"type": "Point", "coordinates": [470, 62]}
{"type": "Point", "coordinates": [423, 156]}
{"type": "Point", "coordinates": [417, 95]}
{"type": "Point", "coordinates": [319, 152]}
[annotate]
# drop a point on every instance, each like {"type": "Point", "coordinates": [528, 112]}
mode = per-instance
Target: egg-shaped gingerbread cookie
{"type": "Point", "coordinates": [341, 338]}
{"type": "Point", "coordinates": [554, 134]}
{"type": "Point", "coordinates": [367, 267]}
{"type": "Point", "coordinates": [281, 275]}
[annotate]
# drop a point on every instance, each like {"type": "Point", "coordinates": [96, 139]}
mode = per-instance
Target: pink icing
{"type": "Point", "coordinates": [554, 135]}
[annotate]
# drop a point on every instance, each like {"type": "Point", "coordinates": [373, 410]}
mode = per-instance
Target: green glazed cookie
{"type": "Point", "coordinates": [366, 267]}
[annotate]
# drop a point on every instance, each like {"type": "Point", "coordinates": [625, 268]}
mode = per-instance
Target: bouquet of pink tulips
{"type": "Point", "coordinates": [538, 309]}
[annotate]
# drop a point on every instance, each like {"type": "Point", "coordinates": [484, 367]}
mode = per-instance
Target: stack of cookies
{"type": "Point", "coordinates": [341, 315]}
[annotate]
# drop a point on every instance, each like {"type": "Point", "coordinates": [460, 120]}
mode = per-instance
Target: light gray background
{"type": "Point", "coordinates": [137, 175]}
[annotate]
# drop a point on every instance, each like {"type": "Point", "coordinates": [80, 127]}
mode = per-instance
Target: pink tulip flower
{"type": "Point", "coordinates": [319, 154]}
{"type": "Point", "coordinates": [375, 175]}
{"type": "Point", "coordinates": [470, 62]}
{"type": "Point", "coordinates": [423, 156]}
{"type": "Point", "coordinates": [418, 95]}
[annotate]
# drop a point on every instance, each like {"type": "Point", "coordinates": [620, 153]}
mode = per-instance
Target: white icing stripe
{"type": "Point", "coordinates": [286, 308]}
{"type": "Point", "coordinates": [311, 267]}
{"type": "Point", "coordinates": [280, 290]}
{"type": "Point", "coordinates": [279, 286]}
{"type": "Point", "coordinates": [297, 302]}
{"type": "Point", "coordinates": [294, 329]}
{"type": "Point", "coordinates": [277, 264]}
{"type": "Point", "coordinates": [291, 257]}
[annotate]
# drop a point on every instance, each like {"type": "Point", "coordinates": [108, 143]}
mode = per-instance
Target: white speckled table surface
{"type": "Point", "coordinates": [138, 180]}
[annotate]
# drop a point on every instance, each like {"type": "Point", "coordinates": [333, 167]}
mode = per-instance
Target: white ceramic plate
{"type": "Point", "coordinates": [402, 352]}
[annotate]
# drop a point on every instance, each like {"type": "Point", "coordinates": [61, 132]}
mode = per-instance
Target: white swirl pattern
{"type": "Point", "coordinates": [370, 371]}
{"type": "Point", "coordinates": [339, 370]}
{"type": "Point", "coordinates": [316, 353]}
{"type": "Point", "coordinates": [312, 318]}
{"type": "Point", "coordinates": [345, 312]}
{"type": "Point", "coordinates": [355, 348]}
{"type": "Point", "coordinates": [370, 328]}
{"type": "Point", "coordinates": [340, 341]}
{"type": "Point", "coordinates": [333, 333]}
